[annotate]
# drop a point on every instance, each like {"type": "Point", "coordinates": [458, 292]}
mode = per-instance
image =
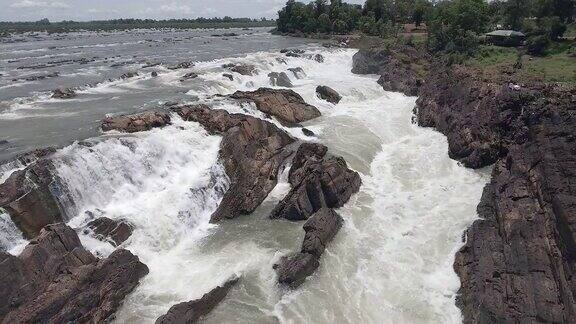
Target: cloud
{"type": "Point", "coordinates": [39, 4]}
{"type": "Point", "coordinates": [176, 8]}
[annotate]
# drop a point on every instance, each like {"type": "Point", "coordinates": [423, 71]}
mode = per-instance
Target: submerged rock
{"type": "Point", "coordinates": [307, 132]}
{"type": "Point", "coordinates": [192, 311]}
{"type": "Point", "coordinates": [317, 182]}
{"type": "Point", "coordinates": [286, 105]}
{"type": "Point", "coordinates": [280, 79]}
{"type": "Point", "coordinates": [298, 72]}
{"type": "Point", "coordinates": [106, 229]}
{"type": "Point", "coordinates": [63, 93]}
{"type": "Point", "coordinates": [252, 151]}
{"type": "Point", "coordinates": [228, 76]}
{"type": "Point", "coordinates": [55, 280]}
{"type": "Point", "coordinates": [181, 65]}
{"type": "Point", "coordinates": [154, 74]}
{"type": "Point", "coordinates": [136, 123]}
{"type": "Point", "coordinates": [128, 75]}
{"type": "Point", "coordinates": [189, 76]}
{"type": "Point", "coordinates": [328, 94]}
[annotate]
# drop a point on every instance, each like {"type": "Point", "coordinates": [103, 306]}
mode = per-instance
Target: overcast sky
{"type": "Point", "coordinates": [19, 10]}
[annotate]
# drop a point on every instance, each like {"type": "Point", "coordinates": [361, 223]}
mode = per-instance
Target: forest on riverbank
{"type": "Point", "coordinates": [46, 25]}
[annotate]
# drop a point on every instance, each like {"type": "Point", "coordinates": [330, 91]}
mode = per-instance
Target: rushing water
{"type": "Point", "coordinates": [391, 262]}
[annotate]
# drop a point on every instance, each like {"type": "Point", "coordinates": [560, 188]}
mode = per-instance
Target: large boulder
{"type": "Point", "coordinates": [328, 94]}
{"type": "Point", "coordinates": [317, 183]}
{"type": "Point", "coordinates": [320, 230]}
{"type": "Point", "coordinates": [280, 79]}
{"type": "Point", "coordinates": [114, 231]}
{"type": "Point", "coordinates": [252, 151]}
{"type": "Point", "coordinates": [286, 105]}
{"type": "Point", "coordinates": [192, 311]}
{"type": "Point", "coordinates": [55, 280]}
{"type": "Point", "coordinates": [293, 269]}
{"type": "Point", "coordinates": [136, 123]}
{"type": "Point", "coordinates": [29, 197]}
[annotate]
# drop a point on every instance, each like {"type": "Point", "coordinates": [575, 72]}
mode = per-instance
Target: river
{"type": "Point", "coordinates": [391, 262]}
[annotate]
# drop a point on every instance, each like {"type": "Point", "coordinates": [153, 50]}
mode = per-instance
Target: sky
{"type": "Point", "coordinates": [82, 10]}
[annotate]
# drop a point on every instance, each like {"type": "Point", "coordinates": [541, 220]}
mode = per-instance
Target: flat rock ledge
{"type": "Point", "coordinates": [55, 280]}
{"type": "Point", "coordinates": [137, 122]}
{"type": "Point", "coordinates": [192, 311]}
{"type": "Point", "coordinates": [321, 228]}
{"type": "Point", "coordinates": [252, 151]}
{"type": "Point", "coordinates": [317, 181]}
{"type": "Point", "coordinates": [286, 105]}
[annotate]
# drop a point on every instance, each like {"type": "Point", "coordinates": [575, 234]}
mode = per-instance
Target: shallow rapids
{"type": "Point", "coordinates": [391, 262]}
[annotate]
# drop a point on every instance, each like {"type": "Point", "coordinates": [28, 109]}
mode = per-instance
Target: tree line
{"type": "Point", "coordinates": [453, 25]}
{"type": "Point", "coordinates": [127, 24]}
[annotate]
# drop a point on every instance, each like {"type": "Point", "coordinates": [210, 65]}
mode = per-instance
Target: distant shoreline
{"type": "Point", "coordinates": [7, 28]}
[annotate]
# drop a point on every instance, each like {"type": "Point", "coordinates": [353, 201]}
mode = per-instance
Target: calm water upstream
{"type": "Point", "coordinates": [392, 261]}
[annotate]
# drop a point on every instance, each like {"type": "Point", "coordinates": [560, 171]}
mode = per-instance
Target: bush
{"type": "Point", "coordinates": [537, 44]}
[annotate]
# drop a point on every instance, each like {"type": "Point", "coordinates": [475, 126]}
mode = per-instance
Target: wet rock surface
{"type": "Point", "coordinates": [193, 311]}
{"type": "Point", "coordinates": [29, 195]}
{"type": "Point", "coordinates": [252, 151]}
{"type": "Point", "coordinates": [293, 269]}
{"type": "Point", "coordinates": [63, 94]}
{"type": "Point", "coordinates": [106, 229]}
{"type": "Point", "coordinates": [280, 79]}
{"type": "Point", "coordinates": [286, 105]}
{"type": "Point", "coordinates": [298, 72]}
{"type": "Point", "coordinates": [318, 181]}
{"type": "Point", "coordinates": [403, 69]}
{"type": "Point", "coordinates": [55, 280]}
{"type": "Point", "coordinates": [136, 123]}
{"type": "Point", "coordinates": [328, 94]}
{"type": "Point", "coordinates": [517, 265]}
{"type": "Point", "coordinates": [320, 230]}
{"type": "Point", "coordinates": [242, 69]}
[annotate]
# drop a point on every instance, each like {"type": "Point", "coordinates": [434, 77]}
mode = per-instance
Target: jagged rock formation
{"type": "Point", "coordinates": [320, 230]}
{"type": "Point", "coordinates": [192, 311]}
{"type": "Point", "coordinates": [55, 280]}
{"type": "Point", "coordinates": [252, 151]}
{"type": "Point", "coordinates": [106, 229]}
{"type": "Point", "coordinates": [286, 105]}
{"type": "Point", "coordinates": [402, 69]}
{"type": "Point", "coordinates": [328, 94]}
{"type": "Point", "coordinates": [28, 196]}
{"type": "Point", "coordinates": [517, 265]}
{"type": "Point", "coordinates": [317, 181]}
{"type": "Point", "coordinates": [136, 123]}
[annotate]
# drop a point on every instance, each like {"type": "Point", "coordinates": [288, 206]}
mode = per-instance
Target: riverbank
{"type": "Point", "coordinates": [517, 262]}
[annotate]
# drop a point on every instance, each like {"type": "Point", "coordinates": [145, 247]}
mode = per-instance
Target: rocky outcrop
{"type": "Point", "coordinates": [192, 311]}
{"type": "Point", "coordinates": [252, 151]}
{"type": "Point", "coordinates": [136, 123]}
{"type": "Point", "coordinates": [321, 228]}
{"type": "Point", "coordinates": [480, 116]}
{"type": "Point", "coordinates": [318, 181]}
{"type": "Point", "coordinates": [106, 229]}
{"type": "Point", "coordinates": [403, 69]}
{"type": "Point", "coordinates": [55, 280]}
{"type": "Point", "coordinates": [63, 94]}
{"type": "Point", "coordinates": [29, 196]}
{"type": "Point", "coordinates": [181, 65]}
{"type": "Point", "coordinates": [298, 72]}
{"type": "Point", "coordinates": [128, 75]}
{"type": "Point", "coordinates": [280, 79]}
{"type": "Point", "coordinates": [517, 264]}
{"type": "Point", "coordinates": [189, 76]}
{"type": "Point", "coordinates": [328, 94]}
{"type": "Point", "coordinates": [243, 69]}
{"type": "Point", "coordinates": [286, 105]}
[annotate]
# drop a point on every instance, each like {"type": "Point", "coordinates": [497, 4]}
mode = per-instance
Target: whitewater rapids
{"type": "Point", "coordinates": [391, 262]}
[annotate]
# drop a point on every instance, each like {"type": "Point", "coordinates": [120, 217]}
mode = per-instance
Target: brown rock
{"type": "Point", "coordinates": [63, 93]}
{"type": "Point", "coordinates": [27, 195]}
{"type": "Point", "coordinates": [243, 69]}
{"type": "Point", "coordinates": [316, 183]}
{"type": "Point", "coordinates": [252, 151]}
{"type": "Point", "coordinates": [292, 270]}
{"type": "Point", "coordinates": [320, 230]}
{"type": "Point", "coordinates": [107, 229]}
{"type": "Point", "coordinates": [286, 105]}
{"type": "Point", "coordinates": [192, 311]}
{"type": "Point", "coordinates": [136, 123]}
{"type": "Point", "coordinates": [328, 94]}
{"type": "Point", "coordinates": [55, 280]}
